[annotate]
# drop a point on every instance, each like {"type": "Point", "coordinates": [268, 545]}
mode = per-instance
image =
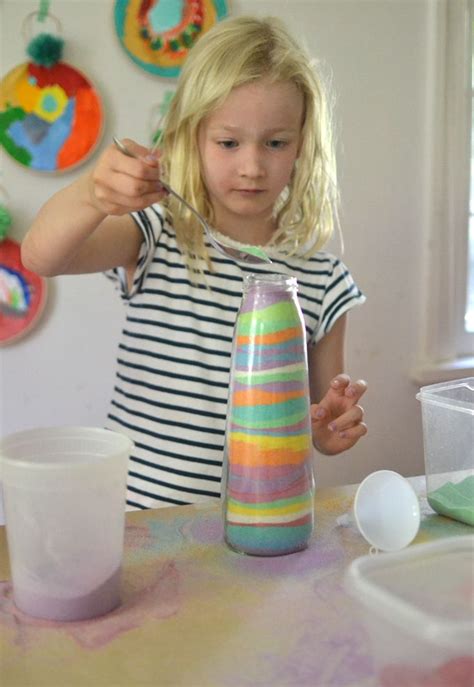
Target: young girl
{"type": "Point", "coordinates": [247, 142]}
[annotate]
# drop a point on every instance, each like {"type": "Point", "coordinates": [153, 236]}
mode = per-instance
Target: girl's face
{"type": "Point", "coordinates": [248, 147]}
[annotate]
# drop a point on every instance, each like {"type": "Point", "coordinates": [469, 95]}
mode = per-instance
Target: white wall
{"type": "Point", "coordinates": [62, 372]}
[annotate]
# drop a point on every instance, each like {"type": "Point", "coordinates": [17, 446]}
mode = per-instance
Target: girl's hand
{"type": "Point", "coordinates": [120, 184]}
{"type": "Point", "coordinates": [337, 421]}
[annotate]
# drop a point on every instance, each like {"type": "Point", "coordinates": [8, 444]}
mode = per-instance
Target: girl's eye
{"type": "Point", "coordinates": [277, 143]}
{"type": "Point", "coordinates": [228, 143]}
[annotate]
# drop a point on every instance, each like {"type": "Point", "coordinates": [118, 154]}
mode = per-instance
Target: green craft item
{"type": "Point", "coordinates": [163, 109]}
{"type": "Point", "coordinates": [5, 222]}
{"type": "Point", "coordinates": [455, 500]}
{"type": "Point", "coordinates": [156, 44]}
{"type": "Point", "coordinates": [45, 50]}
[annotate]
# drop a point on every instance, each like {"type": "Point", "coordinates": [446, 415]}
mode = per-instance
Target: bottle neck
{"type": "Point", "coordinates": [269, 282]}
{"type": "Point", "coordinates": [265, 290]}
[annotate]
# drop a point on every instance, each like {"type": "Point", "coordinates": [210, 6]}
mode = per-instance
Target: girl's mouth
{"type": "Point", "coordinates": [249, 191]}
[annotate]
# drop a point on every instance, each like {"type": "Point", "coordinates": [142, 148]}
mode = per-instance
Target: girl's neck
{"type": "Point", "coordinates": [249, 231]}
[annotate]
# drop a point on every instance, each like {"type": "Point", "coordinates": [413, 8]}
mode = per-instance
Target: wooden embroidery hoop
{"type": "Point", "coordinates": [163, 53]}
{"type": "Point", "coordinates": [69, 156]}
{"type": "Point", "coordinates": [15, 326]}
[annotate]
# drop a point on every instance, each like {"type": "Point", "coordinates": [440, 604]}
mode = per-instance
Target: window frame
{"type": "Point", "coordinates": [445, 349]}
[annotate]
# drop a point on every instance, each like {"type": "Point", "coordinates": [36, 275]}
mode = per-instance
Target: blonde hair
{"type": "Point", "coordinates": [235, 52]}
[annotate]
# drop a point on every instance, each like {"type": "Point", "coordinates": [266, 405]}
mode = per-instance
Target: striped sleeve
{"type": "Point", "coordinates": [340, 295]}
{"type": "Point", "coordinates": [150, 222]}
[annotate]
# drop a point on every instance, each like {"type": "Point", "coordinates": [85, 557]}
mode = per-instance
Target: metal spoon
{"type": "Point", "coordinates": [250, 254]}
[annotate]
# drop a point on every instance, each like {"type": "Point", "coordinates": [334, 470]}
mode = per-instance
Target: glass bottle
{"type": "Point", "coordinates": [268, 484]}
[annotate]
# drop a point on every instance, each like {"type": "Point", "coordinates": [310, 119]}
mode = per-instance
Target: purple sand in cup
{"type": "Point", "coordinates": [98, 602]}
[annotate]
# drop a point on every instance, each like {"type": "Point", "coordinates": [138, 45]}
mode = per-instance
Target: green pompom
{"type": "Point", "coordinates": [5, 222]}
{"type": "Point", "coordinates": [45, 49]}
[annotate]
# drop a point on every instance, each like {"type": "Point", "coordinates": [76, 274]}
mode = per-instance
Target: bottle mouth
{"type": "Point", "coordinates": [269, 281]}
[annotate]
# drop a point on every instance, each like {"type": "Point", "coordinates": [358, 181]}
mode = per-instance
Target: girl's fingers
{"type": "Point", "coordinates": [318, 413]}
{"type": "Point", "coordinates": [122, 189]}
{"type": "Point", "coordinates": [147, 167]}
{"type": "Point", "coordinates": [133, 147]}
{"type": "Point", "coordinates": [135, 169]}
{"type": "Point", "coordinates": [355, 390]}
{"type": "Point", "coordinates": [353, 434]}
{"type": "Point", "coordinates": [352, 417]}
{"type": "Point", "coordinates": [118, 204]}
{"type": "Point", "coordinates": [132, 187]}
{"type": "Point", "coordinates": [340, 383]}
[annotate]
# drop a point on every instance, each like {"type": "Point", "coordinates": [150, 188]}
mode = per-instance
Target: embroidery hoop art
{"type": "Point", "coordinates": [33, 289]}
{"type": "Point", "coordinates": [163, 53]}
{"type": "Point", "coordinates": [16, 90]}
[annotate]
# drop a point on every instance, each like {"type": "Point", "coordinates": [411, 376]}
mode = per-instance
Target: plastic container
{"type": "Point", "coordinates": [64, 491]}
{"type": "Point", "coordinates": [448, 438]}
{"type": "Point", "coordinates": [417, 607]}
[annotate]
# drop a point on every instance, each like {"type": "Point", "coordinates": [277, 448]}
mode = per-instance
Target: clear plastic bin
{"type": "Point", "coordinates": [448, 439]}
{"type": "Point", "coordinates": [417, 605]}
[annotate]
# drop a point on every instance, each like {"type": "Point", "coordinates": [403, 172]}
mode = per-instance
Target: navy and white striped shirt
{"type": "Point", "coordinates": [170, 394]}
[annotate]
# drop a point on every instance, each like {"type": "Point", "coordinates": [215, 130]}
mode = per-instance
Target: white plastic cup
{"type": "Point", "coordinates": [64, 499]}
{"type": "Point", "coordinates": [386, 511]}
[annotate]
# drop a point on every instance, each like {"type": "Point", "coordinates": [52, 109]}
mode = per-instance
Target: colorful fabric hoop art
{"type": "Point", "coordinates": [51, 117]}
{"type": "Point", "coordinates": [158, 34]}
{"type": "Point", "coordinates": [22, 294]}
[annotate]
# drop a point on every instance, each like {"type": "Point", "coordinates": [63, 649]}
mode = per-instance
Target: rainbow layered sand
{"type": "Point", "coordinates": [269, 490]}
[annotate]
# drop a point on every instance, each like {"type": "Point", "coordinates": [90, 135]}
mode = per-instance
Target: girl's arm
{"type": "Point", "coordinates": [337, 418]}
{"type": "Point", "coordinates": [326, 359]}
{"type": "Point", "coordinates": [85, 227]}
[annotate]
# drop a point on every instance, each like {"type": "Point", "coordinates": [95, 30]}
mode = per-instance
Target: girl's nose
{"type": "Point", "coordinates": [251, 162]}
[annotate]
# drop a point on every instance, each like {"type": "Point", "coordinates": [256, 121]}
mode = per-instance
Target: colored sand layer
{"type": "Point", "coordinates": [257, 251]}
{"type": "Point", "coordinates": [455, 500]}
{"type": "Point", "coordinates": [251, 249]}
{"type": "Point", "coordinates": [269, 504]}
{"type": "Point", "coordinates": [96, 603]}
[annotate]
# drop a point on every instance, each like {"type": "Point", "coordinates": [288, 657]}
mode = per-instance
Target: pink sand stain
{"type": "Point", "coordinates": [158, 600]}
{"type": "Point", "coordinates": [138, 538]}
{"type": "Point", "coordinates": [145, 541]}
